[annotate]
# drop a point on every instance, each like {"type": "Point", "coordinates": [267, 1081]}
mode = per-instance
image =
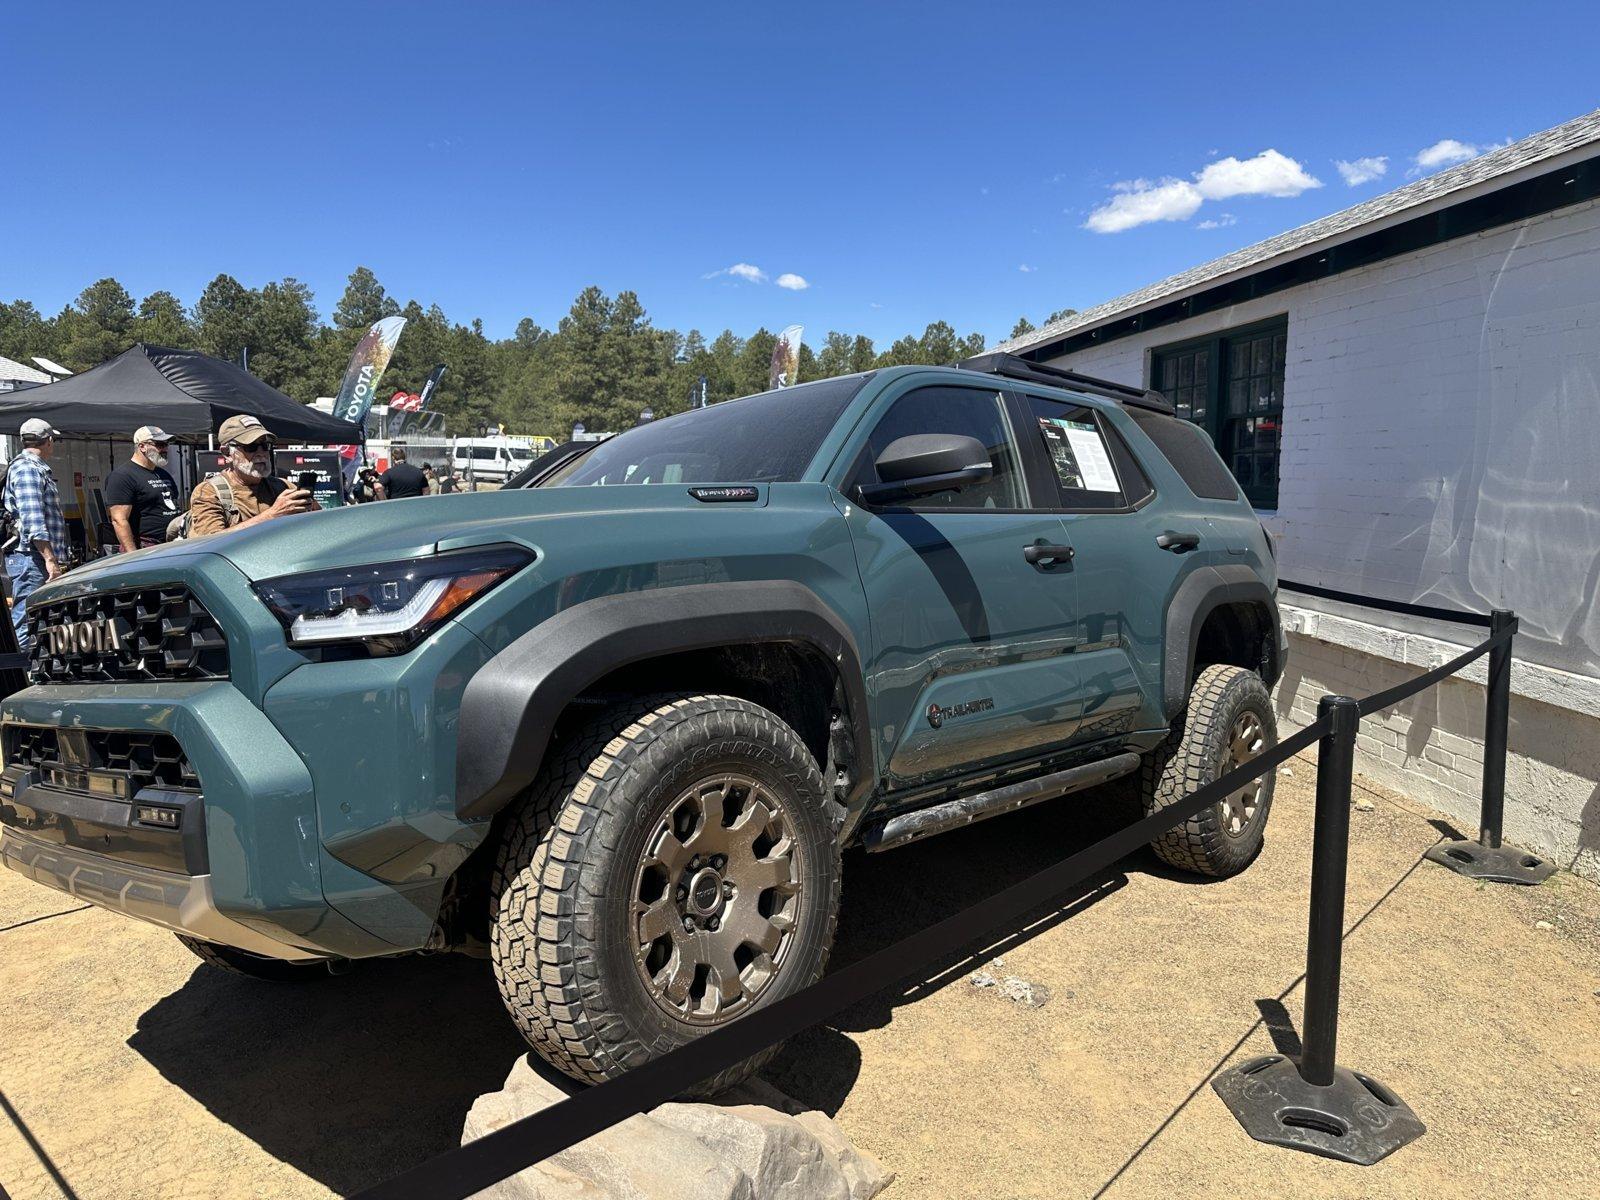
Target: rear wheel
{"type": "Point", "coordinates": [1228, 722]}
{"type": "Point", "coordinates": [674, 870]}
{"type": "Point", "coordinates": [241, 962]}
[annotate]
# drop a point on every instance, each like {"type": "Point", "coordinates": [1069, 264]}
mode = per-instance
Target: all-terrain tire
{"type": "Point", "coordinates": [563, 889]}
{"type": "Point", "coordinates": [256, 966]}
{"type": "Point", "coordinates": [1195, 753]}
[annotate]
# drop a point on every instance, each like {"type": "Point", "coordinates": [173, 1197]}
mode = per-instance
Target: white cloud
{"type": "Point", "coordinates": [1221, 221]}
{"type": "Point", "coordinates": [795, 283]}
{"type": "Point", "coordinates": [740, 270]}
{"type": "Point", "coordinates": [1357, 171]}
{"type": "Point", "coordinates": [1139, 201]}
{"type": "Point", "coordinates": [1142, 202]}
{"type": "Point", "coordinates": [1026, 269]}
{"type": "Point", "coordinates": [1267, 174]}
{"type": "Point", "coordinates": [1446, 151]}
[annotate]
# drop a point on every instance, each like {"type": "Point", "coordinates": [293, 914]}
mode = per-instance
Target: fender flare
{"type": "Point", "coordinates": [1202, 591]}
{"type": "Point", "coordinates": [511, 703]}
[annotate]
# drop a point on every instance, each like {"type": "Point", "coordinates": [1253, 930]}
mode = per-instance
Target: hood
{"type": "Point", "coordinates": [399, 529]}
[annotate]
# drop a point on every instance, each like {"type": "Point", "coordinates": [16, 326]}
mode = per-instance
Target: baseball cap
{"type": "Point", "coordinates": [38, 427]}
{"type": "Point", "coordinates": [243, 429]}
{"type": "Point", "coordinates": [150, 433]}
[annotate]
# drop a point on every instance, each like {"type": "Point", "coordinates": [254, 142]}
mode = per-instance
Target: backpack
{"type": "Point", "coordinates": [178, 529]}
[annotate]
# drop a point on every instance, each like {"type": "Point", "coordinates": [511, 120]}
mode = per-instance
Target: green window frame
{"type": "Point", "coordinates": [1230, 383]}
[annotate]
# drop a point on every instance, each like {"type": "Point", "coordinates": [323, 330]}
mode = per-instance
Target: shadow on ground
{"type": "Point", "coordinates": [349, 1079]}
{"type": "Point", "coordinates": [353, 1078]}
{"type": "Point", "coordinates": [889, 896]}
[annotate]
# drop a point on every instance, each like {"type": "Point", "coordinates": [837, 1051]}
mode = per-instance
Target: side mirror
{"type": "Point", "coordinates": [925, 463]}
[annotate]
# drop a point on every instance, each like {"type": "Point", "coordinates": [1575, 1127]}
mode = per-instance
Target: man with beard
{"type": "Point", "coordinates": [141, 498]}
{"type": "Point", "coordinates": [245, 492]}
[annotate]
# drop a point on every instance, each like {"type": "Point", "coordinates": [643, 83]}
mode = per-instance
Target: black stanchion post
{"type": "Point", "coordinates": [1314, 1104]}
{"type": "Point", "coordinates": [1488, 858]}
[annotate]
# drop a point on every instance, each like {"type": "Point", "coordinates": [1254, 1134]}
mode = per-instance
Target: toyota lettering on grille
{"type": "Point", "coordinates": [96, 636]}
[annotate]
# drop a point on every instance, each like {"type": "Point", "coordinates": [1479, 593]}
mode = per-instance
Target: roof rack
{"type": "Point", "coordinates": [1012, 367]}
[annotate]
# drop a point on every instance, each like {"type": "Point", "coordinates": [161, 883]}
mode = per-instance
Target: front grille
{"type": "Point", "coordinates": [153, 633]}
{"type": "Point", "coordinates": [144, 758]}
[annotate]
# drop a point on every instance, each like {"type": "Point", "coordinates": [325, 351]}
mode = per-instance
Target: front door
{"type": "Point", "coordinates": [971, 663]}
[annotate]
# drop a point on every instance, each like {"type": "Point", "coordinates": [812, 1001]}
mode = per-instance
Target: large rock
{"type": "Point", "coordinates": [752, 1143]}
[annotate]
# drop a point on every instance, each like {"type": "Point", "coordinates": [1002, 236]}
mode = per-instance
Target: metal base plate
{"type": "Point", "coordinates": [1355, 1119]}
{"type": "Point", "coordinates": [1502, 864]}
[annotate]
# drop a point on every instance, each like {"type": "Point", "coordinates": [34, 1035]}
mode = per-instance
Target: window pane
{"type": "Point", "coordinates": [1280, 345]}
{"type": "Point", "coordinates": [1080, 456]}
{"type": "Point", "coordinates": [1239, 365]}
{"type": "Point", "coordinates": [1186, 370]}
{"type": "Point", "coordinates": [1202, 367]}
{"type": "Point", "coordinates": [1238, 396]}
{"type": "Point", "coordinates": [966, 411]}
{"type": "Point", "coordinates": [1262, 356]}
{"type": "Point", "coordinates": [1169, 374]}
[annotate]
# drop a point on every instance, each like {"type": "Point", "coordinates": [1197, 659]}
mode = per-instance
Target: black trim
{"type": "Point", "coordinates": [1009, 366]}
{"type": "Point", "coordinates": [75, 820]}
{"type": "Point", "coordinates": [1204, 590]}
{"type": "Point", "coordinates": [511, 705]}
{"type": "Point", "coordinates": [1534, 197]}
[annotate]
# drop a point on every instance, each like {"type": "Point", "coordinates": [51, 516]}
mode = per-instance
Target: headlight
{"type": "Point", "coordinates": [389, 607]}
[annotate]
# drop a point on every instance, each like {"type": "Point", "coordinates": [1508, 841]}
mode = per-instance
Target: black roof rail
{"type": "Point", "coordinates": [1012, 367]}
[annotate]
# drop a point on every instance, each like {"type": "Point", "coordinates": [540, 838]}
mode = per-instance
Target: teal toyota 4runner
{"type": "Point", "coordinates": [614, 729]}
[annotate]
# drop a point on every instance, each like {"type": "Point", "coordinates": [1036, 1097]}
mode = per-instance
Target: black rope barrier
{"type": "Point", "coordinates": [1389, 697]}
{"type": "Point", "coordinates": [459, 1173]}
{"type": "Point", "coordinates": [1457, 615]}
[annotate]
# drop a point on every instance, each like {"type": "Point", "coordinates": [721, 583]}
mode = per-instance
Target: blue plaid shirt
{"type": "Point", "coordinates": [32, 500]}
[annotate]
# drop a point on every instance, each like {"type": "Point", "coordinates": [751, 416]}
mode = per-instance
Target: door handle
{"type": "Point", "coordinates": [1046, 552]}
{"type": "Point", "coordinates": [1178, 542]}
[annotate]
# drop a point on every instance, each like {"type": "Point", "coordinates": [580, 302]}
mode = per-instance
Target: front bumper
{"type": "Point", "coordinates": [182, 903]}
{"type": "Point", "coordinates": [257, 865]}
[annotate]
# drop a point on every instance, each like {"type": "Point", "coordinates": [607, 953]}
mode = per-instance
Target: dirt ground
{"type": "Point", "coordinates": [128, 1070]}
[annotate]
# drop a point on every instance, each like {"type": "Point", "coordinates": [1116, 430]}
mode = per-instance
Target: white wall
{"type": "Point", "coordinates": [1442, 428]}
{"type": "Point", "coordinates": [1441, 445]}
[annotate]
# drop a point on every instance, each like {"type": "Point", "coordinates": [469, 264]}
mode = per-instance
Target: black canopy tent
{"type": "Point", "coordinates": [182, 391]}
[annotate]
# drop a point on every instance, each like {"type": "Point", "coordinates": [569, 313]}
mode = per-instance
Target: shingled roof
{"type": "Point", "coordinates": [1506, 161]}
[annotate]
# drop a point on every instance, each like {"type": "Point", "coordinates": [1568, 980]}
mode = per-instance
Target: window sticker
{"type": "Point", "coordinates": [1079, 455]}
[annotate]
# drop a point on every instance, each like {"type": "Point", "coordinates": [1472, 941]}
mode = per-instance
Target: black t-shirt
{"type": "Point", "coordinates": [152, 495]}
{"type": "Point", "coordinates": [402, 480]}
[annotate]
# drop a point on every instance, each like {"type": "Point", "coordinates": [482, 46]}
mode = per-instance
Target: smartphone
{"type": "Point", "coordinates": [306, 480]}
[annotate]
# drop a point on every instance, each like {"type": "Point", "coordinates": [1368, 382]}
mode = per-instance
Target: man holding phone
{"type": "Point", "coordinates": [245, 491]}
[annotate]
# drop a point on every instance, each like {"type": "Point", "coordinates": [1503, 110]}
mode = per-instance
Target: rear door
{"type": "Point", "coordinates": [971, 662]}
{"type": "Point", "coordinates": [1124, 576]}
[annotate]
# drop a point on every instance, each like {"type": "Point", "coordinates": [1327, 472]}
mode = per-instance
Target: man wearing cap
{"type": "Point", "coordinates": [245, 491]}
{"type": "Point", "coordinates": [42, 549]}
{"type": "Point", "coordinates": [141, 497]}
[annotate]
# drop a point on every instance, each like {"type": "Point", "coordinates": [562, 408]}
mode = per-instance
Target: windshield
{"type": "Point", "coordinates": [767, 438]}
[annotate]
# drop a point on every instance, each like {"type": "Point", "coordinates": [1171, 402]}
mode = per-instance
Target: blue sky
{"type": "Point", "coordinates": [906, 162]}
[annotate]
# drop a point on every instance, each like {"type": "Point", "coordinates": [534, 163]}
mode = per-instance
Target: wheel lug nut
{"type": "Point", "coordinates": [688, 923]}
{"type": "Point", "coordinates": [683, 891]}
{"type": "Point", "coordinates": [713, 924]}
{"type": "Point", "coordinates": [727, 891]}
{"type": "Point", "coordinates": [718, 861]}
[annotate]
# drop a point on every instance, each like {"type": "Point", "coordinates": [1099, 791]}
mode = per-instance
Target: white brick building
{"type": "Point", "coordinates": [1409, 391]}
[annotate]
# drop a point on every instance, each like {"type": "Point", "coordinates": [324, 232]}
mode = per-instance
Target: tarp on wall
{"type": "Point", "coordinates": [181, 391]}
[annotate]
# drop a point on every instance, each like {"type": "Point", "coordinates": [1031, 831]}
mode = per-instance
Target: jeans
{"type": "Point", "coordinates": [27, 575]}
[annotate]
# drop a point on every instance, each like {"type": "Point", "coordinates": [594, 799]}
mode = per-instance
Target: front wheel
{"type": "Point", "coordinates": [1227, 723]}
{"type": "Point", "coordinates": [676, 868]}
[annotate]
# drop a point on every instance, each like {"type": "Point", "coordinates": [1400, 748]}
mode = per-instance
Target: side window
{"type": "Point", "coordinates": [976, 414]}
{"type": "Point", "coordinates": [1091, 467]}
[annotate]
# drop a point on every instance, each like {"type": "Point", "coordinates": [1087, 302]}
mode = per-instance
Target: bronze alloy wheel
{"type": "Point", "coordinates": [1246, 741]}
{"type": "Point", "coordinates": [716, 899]}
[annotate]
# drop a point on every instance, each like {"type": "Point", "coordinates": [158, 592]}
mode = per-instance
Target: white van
{"type": "Point", "coordinates": [491, 460]}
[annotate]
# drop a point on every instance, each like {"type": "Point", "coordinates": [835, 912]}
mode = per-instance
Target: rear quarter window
{"type": "Point", "coordinates": [1191, 454]}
